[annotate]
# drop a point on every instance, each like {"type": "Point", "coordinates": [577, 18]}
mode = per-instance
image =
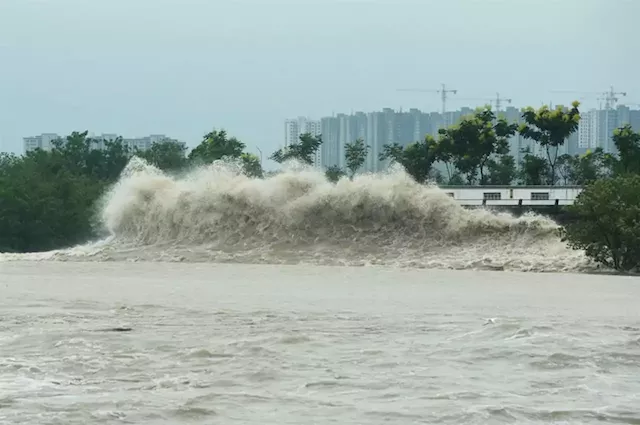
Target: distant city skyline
{"type": "Point", "coordinates": [146, 66]}
{"type": "Point", "coordinates": [589, 104]}
{"type": "Point", "coordinates": [406, 126]}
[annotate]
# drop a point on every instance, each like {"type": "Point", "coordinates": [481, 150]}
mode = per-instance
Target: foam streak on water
{"type": "Point", "coordinates": [216, 214]}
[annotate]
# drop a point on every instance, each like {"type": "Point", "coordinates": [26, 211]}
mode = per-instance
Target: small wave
{"type": "Point", "coordinates": [558, 361]}
{"type": "Point", "coordinates": [217, 214]}
{"type": "Point", "coordinates": [194, 412]}
{"type": "Point", "coordinates": [294, 339]}
{"type": "Point", "coordinates": [321, 384]}
{"type": "Point", "coordinates": [204, 353]}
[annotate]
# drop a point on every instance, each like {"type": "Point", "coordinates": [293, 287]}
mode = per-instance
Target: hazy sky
{"type": "Point", "coordinates": [183, 67]}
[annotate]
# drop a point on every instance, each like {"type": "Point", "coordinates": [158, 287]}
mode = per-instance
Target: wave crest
{"type": "Point", "coordinates": [297, 215]}
{"type": "Point", "coordinates": [216, 213]}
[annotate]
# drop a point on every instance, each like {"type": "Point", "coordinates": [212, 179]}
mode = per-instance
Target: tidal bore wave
{"type": "Point", "coordinates": [217, 214]}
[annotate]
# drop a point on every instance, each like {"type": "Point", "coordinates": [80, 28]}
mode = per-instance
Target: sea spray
{"type": "Point", "coordinates": [216, 213]}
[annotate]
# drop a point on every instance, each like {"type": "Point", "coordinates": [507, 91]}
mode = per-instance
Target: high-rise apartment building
{"type": "Point", "coordinates": [587, 130]}
{"type": "Point", "coordinates": [293, 128]}
{"type": "Point", "coordinates": [626, 115]}
{"type": "Point", "coordinates": [291, 132]}
{"type": "Point", "coordinates": [597, 126]}
{"type": "Point", "coordinates": [403, 127]}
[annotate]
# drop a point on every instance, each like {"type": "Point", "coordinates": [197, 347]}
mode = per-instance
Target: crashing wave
{"type": "Point", "coordinates": [216, 213]}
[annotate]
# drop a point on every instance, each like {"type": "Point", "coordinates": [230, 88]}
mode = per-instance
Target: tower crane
{"type": "Point", "coordinates": [610, 96]}
{"type": "Point", "coordinates": [444, 94]}
{"type": "Point", "coordinates": [497, 101]}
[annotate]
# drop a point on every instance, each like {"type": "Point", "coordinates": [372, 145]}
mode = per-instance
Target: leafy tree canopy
{"type": "Point", "coordinates": [304, 150]}
{"type": "Point", "coordinates": [550, 128]}
{"type": "Point", "coordinates": [355, 155]}
{"type": "Point", "coordinates": [417, 158]}
{"type": "Point", "coordinates": [473, 142]}
{"type": "Point", "coordinates": [627, 143]}
{"type": "Point", "coordinates": [217, 145]}
{"type": "Point", "coordinates": [334, 173]}
{"type": "Point", "coordinates": [607, 222]}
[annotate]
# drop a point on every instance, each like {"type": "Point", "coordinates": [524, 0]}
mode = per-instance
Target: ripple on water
{"type": "Point", "coordinates": [204, 353]}
{"type": "Point", "coordinates": [193, 413]}
{"type": "Point", "coordinates": [294, 339]}
{"type": "Point", "coordinates": [558, 361]}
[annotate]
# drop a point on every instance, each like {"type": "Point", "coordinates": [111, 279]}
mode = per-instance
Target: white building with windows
{"type": "Point", "coordinates": [512, 195]}
{"type": "Point", "coordinates": [144, 143]}
{"type": "Point", "coordinates": [588, 130]}
{"type": "Point", "coordinates": [44, 141]}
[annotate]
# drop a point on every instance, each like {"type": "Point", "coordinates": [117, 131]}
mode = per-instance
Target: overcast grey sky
{"type": "Point", "coordinates": [182, 67]}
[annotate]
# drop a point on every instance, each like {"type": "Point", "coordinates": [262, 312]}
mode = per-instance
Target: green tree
{"type": "Point", "coordinates": [251, 165]}
{"type": "Point", "coordinates": [114, 157]}
{"type": "Point", "coordinates": [550, 128]}
{"type": "Point", "coordinates": [627, 142]}
{"type": "Point", "coordinates": [304, 150]}
{"type": "Point", "coordinates": [100, 159]}
{"type": "Point", "coordinates": [443, 152]}
{"type": "Point", "coordinates": [167, 155]}
{"type": "Point", "coordinates": [355, 154]}
{"type": "Point", "coordinates": [44, 204]}
{"type": "Point", "coordinates": [502, 171]}
{"type": "Point", "coordinates": [583, 169]}
{"type": "Point", "coordinates": [474, 141]}
{"type": "Point", "coordinates": [216, 145]}
{"type": "Point", "coordinates": [334, 173]}
{"type": "Point", "coordinates": [74, 152]}
{"type": "Point", "coordinates": [564, 168]}
{"type": "Point", "coordinates": [393, 152]}
{"type": "Point", "coordinates": [607, 222]}
{"type": "Point", "coordinates": [7, 162]}
{"type": "Point", "coordinates": [456, 179]}
{"type": "Point", "coordinates": [417, 158]}
{"type": "Point", "coordinates": [47, 198]}
{"type": "Point", "coordinates": [534, 170]}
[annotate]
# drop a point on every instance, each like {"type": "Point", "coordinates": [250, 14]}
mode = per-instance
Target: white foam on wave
{"type": "Point", "coordinates": [216, 213]}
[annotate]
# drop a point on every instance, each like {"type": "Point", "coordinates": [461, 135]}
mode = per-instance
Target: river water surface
{"type": "Point", "coordinates": [276, 344]}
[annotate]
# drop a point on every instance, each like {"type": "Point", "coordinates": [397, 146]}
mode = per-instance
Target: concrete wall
{"type": "Point", "coordinates": [513, 195]}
